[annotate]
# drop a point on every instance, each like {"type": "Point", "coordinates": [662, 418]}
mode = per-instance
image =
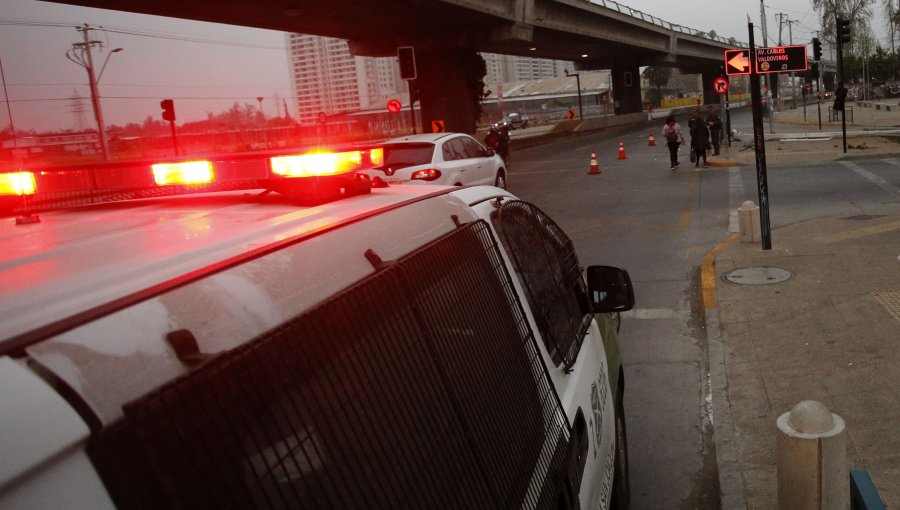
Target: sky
{"type": "Point", "coordinates": [207, 67]}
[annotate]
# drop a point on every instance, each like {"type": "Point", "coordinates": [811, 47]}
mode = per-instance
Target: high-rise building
{"type": "Point", "coordinates": [509, 68]}
{"type": "Point", "coordinates": [326, 78]}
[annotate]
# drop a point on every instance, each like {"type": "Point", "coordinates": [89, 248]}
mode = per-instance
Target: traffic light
{"type": "Point", "coordinates": [407, 57]}
{"type": "Point", "coordinates": [817, 49]}
{"type": "Point", "coordinates": [843, 30]}
{"type": "Point", "coordinates": [168, 108]}
{"type": "Point", "coordinates": [840, 95]}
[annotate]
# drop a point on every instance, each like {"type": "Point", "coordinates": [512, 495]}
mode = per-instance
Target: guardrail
{"type": "Point", "coordinates": [649, 18]}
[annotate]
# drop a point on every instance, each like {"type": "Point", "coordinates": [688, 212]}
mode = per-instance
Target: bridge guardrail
{"type": "Point", "coordinates": [649, 18]}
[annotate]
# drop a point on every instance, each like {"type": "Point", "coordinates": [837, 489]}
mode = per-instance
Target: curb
{"type": "Point", "coordinates": [731, 482]}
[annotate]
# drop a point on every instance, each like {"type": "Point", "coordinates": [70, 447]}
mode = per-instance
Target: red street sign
{"type": "Point", "coordinates": [737, 62]}
{"type": "Point", "coordinates": [394, 106]}
{"type": "Point", "coordinates": [720, 85]}
{"type": "Point", "coordinates": [781, 59]}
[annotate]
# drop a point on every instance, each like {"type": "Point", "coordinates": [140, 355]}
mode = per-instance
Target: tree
{"type": "Point", "coordinates": [859, 12]}
{"type": "Point", "coordinates": [891, 18]}
{"type": "Point", "coordinates": [658, 77]}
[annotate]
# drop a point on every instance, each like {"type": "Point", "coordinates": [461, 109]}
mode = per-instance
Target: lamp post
{"type": "Point", "coordinates": [81, 55]}
{"type": "Point", "coordinates": [577, 84]}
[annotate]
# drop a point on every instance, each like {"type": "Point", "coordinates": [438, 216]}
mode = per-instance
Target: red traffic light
{"type": "Point", "coordinates": [168, 107]}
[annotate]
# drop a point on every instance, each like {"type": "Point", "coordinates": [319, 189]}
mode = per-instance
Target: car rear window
{"type": "Point", "coordinates": [407, 154]}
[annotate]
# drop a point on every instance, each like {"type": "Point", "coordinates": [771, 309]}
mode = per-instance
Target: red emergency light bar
{"type": "Point", "coordinates": [315, 176]}
{"type": "Point", "coordinates": [17, 184]}
{"type": "Point", "coordinates": [184, 172]}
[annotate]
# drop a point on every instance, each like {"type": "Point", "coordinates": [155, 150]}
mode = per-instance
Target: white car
{"type": "Point", "coordinates": [293, 338]}
{"type": "Point", "coordinates": [452, 159]}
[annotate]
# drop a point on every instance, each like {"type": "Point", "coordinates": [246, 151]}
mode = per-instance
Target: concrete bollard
{"type": "Point", "coordinates": [748, 221]}
{"type": "Point", "coordinates": [811, 453]}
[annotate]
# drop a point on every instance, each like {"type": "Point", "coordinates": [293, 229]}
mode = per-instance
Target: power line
{"type": "Point", "coordinates": [140, 33]}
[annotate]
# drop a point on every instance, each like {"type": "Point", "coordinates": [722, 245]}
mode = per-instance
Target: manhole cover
{"type": "Point", "coordinates": [757, 275]}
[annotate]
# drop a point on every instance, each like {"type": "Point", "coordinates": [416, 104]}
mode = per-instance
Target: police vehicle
{"type": "Point", "coordinates": [274, 332]}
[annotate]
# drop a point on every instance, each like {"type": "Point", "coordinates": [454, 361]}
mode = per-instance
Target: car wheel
{"type": "Point", "coordinates": [621, 487]}
{"type": "Point", "coordinates": [500, 181]}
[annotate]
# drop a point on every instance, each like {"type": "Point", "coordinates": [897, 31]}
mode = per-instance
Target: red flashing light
{"type": "Point", "coordinates": [185, 172]}
{"type": "Point", "coordinates": [17, 184]}
{"type": "Point", "coordinates": [429, 174]}
{"type": "Point", "coordinates": [318, 164]}
{"type": "Point", "coordinates": [376, 156]}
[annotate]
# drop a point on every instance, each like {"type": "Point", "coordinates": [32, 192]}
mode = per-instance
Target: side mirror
{"type": "Point", "coordinates": [609, 289]}
{"type": "Point", "coordinates": [490, 152]}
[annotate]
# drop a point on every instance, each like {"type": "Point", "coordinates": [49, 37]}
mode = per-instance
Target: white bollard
{"type": "Point", "coordinates": [748, 220]}
{"type": "Point", "coordinates": [811, 453]}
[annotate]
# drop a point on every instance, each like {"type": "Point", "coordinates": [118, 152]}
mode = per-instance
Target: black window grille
{"type": "Point", "coordinates": [545, 258]}
{"type": "Point", "coordinates": [420, 387]}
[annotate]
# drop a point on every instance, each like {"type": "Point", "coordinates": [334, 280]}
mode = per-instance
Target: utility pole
{"type": "Point", "coordinates": [81, 55]}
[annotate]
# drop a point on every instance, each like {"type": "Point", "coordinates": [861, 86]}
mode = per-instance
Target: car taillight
{"type": "Point", "coordinates": [428, 174]}
{"type": "Point", "coordinates": [185, 172]}
{"type": "Point", "coordinates": [17, 184]}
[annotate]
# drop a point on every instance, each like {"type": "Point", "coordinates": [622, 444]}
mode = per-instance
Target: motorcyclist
{"type": "Point", "coordinates": [498, 139]}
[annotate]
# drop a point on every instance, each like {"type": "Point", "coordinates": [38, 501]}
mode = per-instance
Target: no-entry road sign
{"type": "Point", "coordinates": [720, 85]}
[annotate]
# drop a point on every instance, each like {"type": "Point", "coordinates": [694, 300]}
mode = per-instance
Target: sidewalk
{"type": "Point", "coordinates": [829, 332]}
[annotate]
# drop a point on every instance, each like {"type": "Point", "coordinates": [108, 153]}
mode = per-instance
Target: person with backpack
{"type": "Point", "coordinates": [672, 133]}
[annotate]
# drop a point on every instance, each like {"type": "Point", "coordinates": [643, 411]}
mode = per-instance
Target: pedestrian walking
{"type": "Point", "coordinates": [700, 142]}
{"type": "Point", "coordinates": [715, 129]}
{"type": "Point", "coordinates": [674, 138]}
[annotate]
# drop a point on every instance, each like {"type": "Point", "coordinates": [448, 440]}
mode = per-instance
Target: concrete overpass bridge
{"type": "Point", "coordinates": [447, 34]}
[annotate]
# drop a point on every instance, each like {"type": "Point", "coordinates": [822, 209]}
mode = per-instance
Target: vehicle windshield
{"type": "Point", "coordinates": [407, 154]}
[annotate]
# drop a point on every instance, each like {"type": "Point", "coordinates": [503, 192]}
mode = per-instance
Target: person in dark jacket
{"type": "Point", "coordinates": [715, 129]}
{"type": "Point", "coordinates": [700, 142]}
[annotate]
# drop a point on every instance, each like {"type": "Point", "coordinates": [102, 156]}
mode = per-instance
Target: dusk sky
{"type": "Point", "coordinates": [207, 67]}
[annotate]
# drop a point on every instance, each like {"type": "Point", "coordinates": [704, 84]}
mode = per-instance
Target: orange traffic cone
{"type": "Point", "coordinates": [595, 168]}
{"type": "Point", "coordinates": [622, 150]}
{"type": "Point", "coordinates": [652, 140]}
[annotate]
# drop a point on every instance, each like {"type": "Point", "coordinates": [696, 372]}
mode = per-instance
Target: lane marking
{"type": "Point", "coordinates": [657, 313]}
{"type": "Point", "coordinates": [735, 194]}
{"type": "Point", "coordinates": [878, 181]}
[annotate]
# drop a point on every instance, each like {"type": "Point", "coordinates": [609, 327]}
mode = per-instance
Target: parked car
{"type": "Point", "coordinates": [453, 159]}
{"type": "Point", "coordinates": [513, 121]}
{"type": "Point", "coordinates": [293, 338]}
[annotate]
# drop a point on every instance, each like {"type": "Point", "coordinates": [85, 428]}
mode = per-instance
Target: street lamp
{"type": "Point", "coordinates": [81, 55]}
{"type": "Point", "coordinates": [103, 68]}
{"type": "Point", "coordinates": [577, 84]}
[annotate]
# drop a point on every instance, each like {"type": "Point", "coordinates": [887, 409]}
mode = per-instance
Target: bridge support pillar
{"type": "Point", "coordinates": [626, 85]}
{"type": "Point", "coordinates": [450, 85]}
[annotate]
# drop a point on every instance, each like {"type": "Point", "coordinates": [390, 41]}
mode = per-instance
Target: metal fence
{"type": "Point", "coordinates": [649, 18]}
{"type": "Point", "coordinates": [420, 387]}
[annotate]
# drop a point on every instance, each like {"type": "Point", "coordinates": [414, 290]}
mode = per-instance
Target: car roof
{"type": "Point", "coordinates": [423, 138]}
{"type": "Point", "coordinates": [84, 258]}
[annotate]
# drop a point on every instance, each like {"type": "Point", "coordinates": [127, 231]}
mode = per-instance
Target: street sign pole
{"type": "Point", "coordinates": [759, 141]}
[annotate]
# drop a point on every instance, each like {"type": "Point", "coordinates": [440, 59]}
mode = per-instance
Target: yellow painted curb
{"type": "Point", "coordinates": [721, 162]}
{"type": "Point", "coordinates": [708, 274]}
